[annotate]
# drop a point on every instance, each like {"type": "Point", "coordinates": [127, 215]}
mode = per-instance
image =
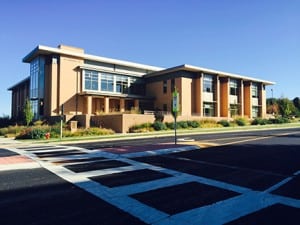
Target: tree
{"type": "Point", "coordinates": [286, 107]}
{"type": "Point", "coordinates": [28, 114]}
{"type": "Point", "coordinates": [272, 106]}
{"type": "Point", "coordinates": [296, 102]}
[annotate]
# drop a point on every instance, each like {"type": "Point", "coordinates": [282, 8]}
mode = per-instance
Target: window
{"type": "Point", "coordinates": [136, 86]}
{"type": "Point", "coordinates": [208, 83]}
{"type": "Point", "coordinates": [107, 82]}
{"type": "Point", "coordinates": [122, 84]}
{"type": "Point", "coordinates": [234, 110]}
{"type": "Point", "coordinates": [254, 90]}
{"type": "Point", "coordinates": [255, 111]}
{"type": "Point", "coordinates": [165, 85]}
{"type": "Point", "coordinates": [91, 80]}
{"type": "Point", "coordinates": [172, 85]}
{"type": "Point", "coordinates": [209, 109]}
{"type": "Point", "coordinates": [37, 85]}
{"type": "Point", "coordinates": [233, 87]}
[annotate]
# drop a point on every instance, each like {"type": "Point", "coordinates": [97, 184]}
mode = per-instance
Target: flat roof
{"type": "Point", "coordinates": [19, 83]}
{"type": "Point", "coordinates": [156, 71]}
{"type": "Point", "coordinates": [45, 50]}
{"type": "Point", "coordinates": [191, 68]}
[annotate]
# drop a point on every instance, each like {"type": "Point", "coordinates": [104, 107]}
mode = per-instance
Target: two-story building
{"type": "Point", "coordinates": [65, 80]}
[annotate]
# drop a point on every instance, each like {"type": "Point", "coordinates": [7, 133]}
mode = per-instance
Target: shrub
{"type": "Point", "coordinates": [15, 129]}
{"type": "Point", "coordinates": [92, 131]}
{"type": "Point", "coordinates": [144, 127]}
{"type": "Point", "coordinates": [38, 133]}
{"type": "Point", "coordinates": [193, 124]}
{"type": "Point", "coordinates": [224, 123]}
{"type": "Point", "coordinates": [159, 126]}
{"type": "Point", "coordinates": [241, 121]}
{"type": "Point", "coordinates": [98, 131]}
{"type": "Point", "coordinates": [280, 120]}
{"type": "Point", "coordinates": [182, 124]}
{"type": "Point", "coordinates": [170, 125]}
{"type": "Point", "coordinates": [260, 121]}
{"type": "Point", "coordinates": [3, 131]}
{"type": "Point", "coordinates": [209, 123]}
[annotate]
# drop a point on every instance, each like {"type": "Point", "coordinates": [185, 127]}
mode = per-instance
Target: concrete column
{"type": "Point", "coordinates": [122, 105]}
{"type": "Point", "coordinates": [89, 105]}
{"type": "Point", "coordinates": [241, 98]}
{"type": "Point", "coordinates": [201, 95]}
{"type": "Point", "coordinates": [262, 101]}
{"type": "Point", "coordinates": [106, 104]}
{"type": "Point", "coordinates": [218, 103]}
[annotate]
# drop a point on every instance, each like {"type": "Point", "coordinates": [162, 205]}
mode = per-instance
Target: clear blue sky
{"type": "Point", "coordinates": [257, 38]}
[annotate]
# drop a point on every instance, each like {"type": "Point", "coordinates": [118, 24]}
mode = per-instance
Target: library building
{"type": "Point", "coordinates": [116, 94]}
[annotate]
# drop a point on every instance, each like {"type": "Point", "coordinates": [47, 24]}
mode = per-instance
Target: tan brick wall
{"type": "Point", "coordinates": [155, 90]}
{"type": "Point", "coordinates": [185, 92]}
{"type": "Point", "coordinates": [68, 84]}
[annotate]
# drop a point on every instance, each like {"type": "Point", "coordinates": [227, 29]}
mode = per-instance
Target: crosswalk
{"type": "Point", "coordinates": [154, 194]}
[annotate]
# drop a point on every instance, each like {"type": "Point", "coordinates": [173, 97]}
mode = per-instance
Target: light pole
{"type": "Point", "coordinates": [272, 102]}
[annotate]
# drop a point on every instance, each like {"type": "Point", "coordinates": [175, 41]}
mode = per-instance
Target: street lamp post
{"type": "Point", "coordinates": [272, 102]}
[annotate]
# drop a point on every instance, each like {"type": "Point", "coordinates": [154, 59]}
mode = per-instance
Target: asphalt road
{"type": "Point", "coordinates": [215, 138]}
{"type": "Point", "coordinates": [239, 178]}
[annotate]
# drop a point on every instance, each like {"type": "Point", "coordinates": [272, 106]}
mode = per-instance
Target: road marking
{"type": "Point", "coordinates": [219, 212]}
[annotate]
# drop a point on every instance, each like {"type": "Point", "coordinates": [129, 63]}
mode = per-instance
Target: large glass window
{"type": "Point", "coordinates": [34, 76]}
{"type": "Point", "coordinates": [107, 82]}
{"type": "Point", "coordinates": [122, 84]}
{"type": "Point", "coordinates": [208, 83]}
{"type": "Point", "coordinates": [37, 85]}
{"type": "Point", "coordinates": [136, 86]}
{"type": "Point", "coordinates": [91, 80]}
{"type": "Point", "coordinates": [254, 90]}
{"type": "Point", "coordinates": [233, 87]}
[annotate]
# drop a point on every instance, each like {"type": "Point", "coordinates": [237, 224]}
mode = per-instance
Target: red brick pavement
{"type": "Point", "coordinates": [14, 159]}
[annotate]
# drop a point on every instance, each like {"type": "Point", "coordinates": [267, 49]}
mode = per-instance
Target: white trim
{"type": "Point", "coordinates": [89, 57]}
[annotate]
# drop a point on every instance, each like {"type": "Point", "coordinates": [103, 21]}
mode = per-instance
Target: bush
{"type": "Point", "coordinates": [144, 127]}
{"type": "Point", "coordinates": [224, 123]}
{"type": "Point", "coordinates": [3, 131]}
{"type": "Point", "coordinates": [170, 125]}
{"type": "Point", "coordinates": [193, 124]}
{"type": "Point", "coordinates": [209, 123]}
{"type": "Point", "coordinates": [159, 126]}
{"type": "Point", "coordinates": [33, 133]}
{"type": "Point", "coordinates": [241, 121]}
{"type": "Point", "coordinates": [260, 121]}
{"type": "Point", "coordinates": [98, 131]}
{"type": "Point", "coordinates": [280, 120]}
{"type": "Point", "coordinates": [182, 124]}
